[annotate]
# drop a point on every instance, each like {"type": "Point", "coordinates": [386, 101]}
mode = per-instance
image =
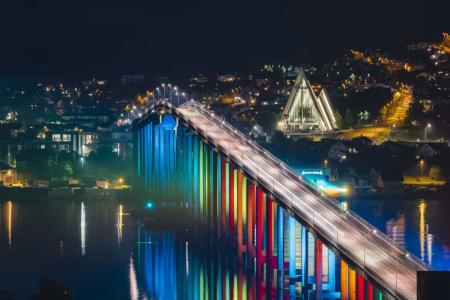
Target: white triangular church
{"type": "Point", "coordinates": [305, 111]}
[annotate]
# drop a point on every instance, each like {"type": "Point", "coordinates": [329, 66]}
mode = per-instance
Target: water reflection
{"type": "Point", "coordinates": [425, 237]}
{"type": "Point", "coordinates": [188, 265]}
{"type": "Point", "coordinates": [418, 224]}
{"type": "Point", "coordinates": [9, 217]}
{"type": "Point", "coordinates": [119, 224]}
{"type": "Point", "coordinates": [8, 210]}
{"type": "Point", "coordinates": [134, 292]}
{"type": "Point", "coordinates": [396, 230]}
{"type": "Point", "coordinates": [83, 229]}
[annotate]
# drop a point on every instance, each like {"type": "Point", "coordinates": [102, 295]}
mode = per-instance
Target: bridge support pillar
{"type": "Point", "coordinates": [344, 280]}
{"type": "Point", "coordinates": [251, 221]}
{"type": "Point", "coordinates": [318, 265]}
{"type": "Point", "coordinates": [292, 266]}
{"type": "Point", "coordinates": [259, 231]}
{"type": "Point", "coordinates": [270, 258]}
{"type": "Point", "coordinates": [352, 284]}
{"type": "Point", "coordinates": [239, 213]}
{"type": "Point", "coordinates": [231, 201]}
{"type": "Point", "coordinates": [223, 207]}
{"type": "Point", "coordinates": [304, 244]}
{"type": "Point", "coordinates": [331, 271]}
{"type": "Point", "coordinates": [280, 240]}
{"type": "Point", "coordinates": [369, 291]}
{"type": "Point", "coordinates": [359, 286]}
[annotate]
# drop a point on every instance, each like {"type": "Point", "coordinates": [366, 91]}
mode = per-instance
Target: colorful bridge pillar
{"type": "Point", "coordinates": [369, 292]}
{"type": "Point", "coordinates": [280, 240]}
{"type": "Point", "coordinates": [331, 271]}
{"type": "Point", "coordinates": [231, 201]}
{"type": "Point", "coordinates": [292, 254]}
{"type": "Point", "coordinates": [270, 221]}
{"type": "Point", "coordinates": [344, 280]}
{"type": "Point", "coordinates": [224, 192]}
{"type": "Point", "coordinates": [318, 265]}
{"type": "Point", "coordinates": [251, 220]}
{"type": "Point", "coordinates": [352, 284]}
{"type": "Point", "coordinates": [305, 250]}
{"type": "Point", "coordinates": [259, 230]}
{"type": "Point", "coordinates": [240, 203]}
{"type": "Point", "coordinates": [359, 286]}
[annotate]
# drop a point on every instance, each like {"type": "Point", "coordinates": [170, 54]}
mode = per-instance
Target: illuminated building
{"type": "Point", "coordinates": [305, 111]}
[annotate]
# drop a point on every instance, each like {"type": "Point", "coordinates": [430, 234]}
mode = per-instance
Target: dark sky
{"type": "Point", "coordinates": [72, 39]}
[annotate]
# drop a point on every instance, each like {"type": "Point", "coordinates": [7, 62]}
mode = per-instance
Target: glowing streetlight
{"type": "Point", "coordinates": [422, 162]}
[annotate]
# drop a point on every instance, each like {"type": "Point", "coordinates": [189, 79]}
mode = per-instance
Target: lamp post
{"type": "Point", "coordinates": [164, 90]}
{"type": "Point", "coordinates": [425, 133]}
{"type": "Point", "coordinates": [158, 92]}
{"type": "Point", "coordinates": [176, 94]}
{"type": "Point", "coordinates": [170, 92]}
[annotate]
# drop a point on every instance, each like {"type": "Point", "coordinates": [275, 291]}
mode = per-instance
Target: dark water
{"type": "Point", "coordinates": [101, 252]}
{"type": "Point", "coordinates": [421, 225]}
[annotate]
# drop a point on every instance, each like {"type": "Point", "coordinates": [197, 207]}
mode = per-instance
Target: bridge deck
{"type": "Point", "coordinates": [391, 266]}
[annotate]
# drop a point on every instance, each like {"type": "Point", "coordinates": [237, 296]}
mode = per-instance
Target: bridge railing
{"type": "Point", "coordinates": [373, 251]}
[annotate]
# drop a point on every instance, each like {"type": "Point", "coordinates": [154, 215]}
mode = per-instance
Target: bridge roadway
{"type": "Point", "coordinates": [370, 250]}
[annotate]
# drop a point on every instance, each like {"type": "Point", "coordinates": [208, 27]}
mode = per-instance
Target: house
{"type": "Point", "coordinates": [428, 150]}
{"type": "Point", "coordinates": [338, 151]}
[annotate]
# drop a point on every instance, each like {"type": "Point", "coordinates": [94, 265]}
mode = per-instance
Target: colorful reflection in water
{"type": "Point", "coordinates": [193, 265]}
{"type": "Point", "coordinates": [47, 237]}
{"type": "Point", "coordinates": [418, 224]}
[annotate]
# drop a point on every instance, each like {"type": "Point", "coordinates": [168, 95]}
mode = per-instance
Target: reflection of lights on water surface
{"type": "Point", "coordinates": [83, 229]}
{"type": "Point", "coordinates": [424, 236]}
{"type": "Point", "coordinates": [119, 223]}
{"type": "Point", "coordinates": [134, 291]}
{"type": "Point", "coordinates": [187, 258]}
{"type": "Point", "coordinates": [9, 209]}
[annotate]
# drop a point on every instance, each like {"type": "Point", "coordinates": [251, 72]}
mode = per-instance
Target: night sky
{"type": "Point", "coordinates": [69, 39]}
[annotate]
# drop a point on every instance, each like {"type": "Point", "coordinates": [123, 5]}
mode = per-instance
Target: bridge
{"type": "Point", "coordinates": [273, 217]}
